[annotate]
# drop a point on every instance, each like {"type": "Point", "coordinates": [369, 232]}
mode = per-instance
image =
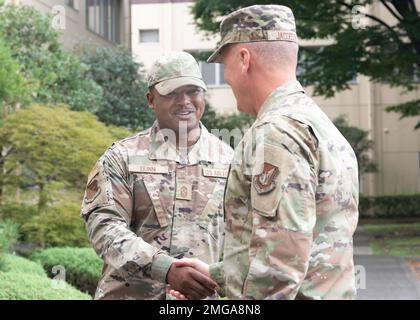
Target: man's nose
{"type": "Point", "coordinates": [183, 99]}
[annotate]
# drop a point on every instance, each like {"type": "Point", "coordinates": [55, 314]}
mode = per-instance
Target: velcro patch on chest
{"type": "Point", "coordinates": [216, 173]}
{"type": "Point", "coordinates": [148, 168]}
{"type": "Point", "coordinates": [184, 191]}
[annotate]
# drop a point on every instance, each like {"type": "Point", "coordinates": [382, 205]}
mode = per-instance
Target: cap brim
{"type": "Point", "coordinates": [167, 86]}
{"type": "Point", "coordinates": [215, 56]}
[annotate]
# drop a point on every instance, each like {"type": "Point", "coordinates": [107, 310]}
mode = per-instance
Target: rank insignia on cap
{"type": "Point", "coordinates": [265, 182]}
{"type": "Point", "coordinates": [92, 190]}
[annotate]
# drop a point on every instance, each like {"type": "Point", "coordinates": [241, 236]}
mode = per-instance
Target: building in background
{"type": "Point", "coordinates": [102, 22]}
{"type": "Point", "coordinates": [161, 26]}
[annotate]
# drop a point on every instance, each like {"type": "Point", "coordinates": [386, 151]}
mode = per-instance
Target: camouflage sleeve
{"type": "Point", "coordinates": [217, 274]}
{"type": "Point", "coordinates": [107, 210]}
{"type": "Point", "coordinates": [283, 212]}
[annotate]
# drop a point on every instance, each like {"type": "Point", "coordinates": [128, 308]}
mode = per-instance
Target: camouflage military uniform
{"type": "Point", "coordinates": [148, 202]}
{"type": "Point", "coordinates": [146, 205]}
{"type": "Point", "coordinates": [291, 204]}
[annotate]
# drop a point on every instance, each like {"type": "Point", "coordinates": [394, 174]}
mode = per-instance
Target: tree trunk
{"type": "Point", "coordinates": [19, 172]}
{"type": "Point", "coordinates": [42, 203]}
{"type": "Point", "coordinates": [2, 172]}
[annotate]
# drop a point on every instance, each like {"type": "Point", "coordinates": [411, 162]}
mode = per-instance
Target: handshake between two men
{"type": "Point", "coordinates": [189, 279]}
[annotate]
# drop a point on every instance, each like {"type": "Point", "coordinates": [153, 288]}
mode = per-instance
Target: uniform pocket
{"type": "Point", "coordinates": [154, 191]}
{"type": "Point", "coordinates": [265, 204]}
{"type": "Point", "coordinates": [212, 214]}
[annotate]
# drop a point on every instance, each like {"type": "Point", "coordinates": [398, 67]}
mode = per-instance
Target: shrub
{"type": "Point", "coordinates": [82, 265]}
{"type": "Point", "coordinates": [52, 74]}
{"type": "Point", "coordinates": [19, 213]}
{"type": "Point", "coordinates": [51, 148]}
{"type": "Point", "coordinates": [8, 236]}
{"type": "Point", "coordinates": [360, 143]}
{"type": "Point", "coordinates": [24, 286]}
{"type": "Point", "coordinates": [401, 206]}
{"type": "Point", "coordinates": [59, 225]}
{"type": "Point", "coordinates": [212, 120]}
{"type": "Point", "coordinates": [16, 264]}
{"type": "Point", "coordinates": [123, 86]}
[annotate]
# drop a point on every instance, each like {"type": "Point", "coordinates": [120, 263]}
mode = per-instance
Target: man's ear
{"type": "Point", "coordinates": [150, 97]}
{"type": "Point", "coordinates": [245, 57]}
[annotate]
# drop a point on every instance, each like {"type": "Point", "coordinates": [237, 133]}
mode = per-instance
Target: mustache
{"type": "Point", "coordinates": [182, 110]}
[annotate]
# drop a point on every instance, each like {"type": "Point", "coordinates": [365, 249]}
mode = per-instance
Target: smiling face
{"type": "Point", "coordinates": [184, 104]}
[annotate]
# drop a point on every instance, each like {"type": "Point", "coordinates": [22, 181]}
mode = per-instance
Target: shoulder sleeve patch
{"type": "Point", "coordinates": [98, 191]}
{"type": "Point", "coordinates": [265, 182]}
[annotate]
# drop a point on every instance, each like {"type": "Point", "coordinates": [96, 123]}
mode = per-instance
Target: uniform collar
{"type": "Point", "coordinates": [280, 92]}
{"type": "Point", "coordinates": [159, 149]}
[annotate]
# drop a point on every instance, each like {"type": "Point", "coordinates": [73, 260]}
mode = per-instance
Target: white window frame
{"type": "Point", "coordinates": [108, 28]}
{"type": "Point", "coordinates": [217, 77]}
{"type": "Point", "coordinates": [74, 4]}
{"type": "Point", "coordinates": [149, 43]}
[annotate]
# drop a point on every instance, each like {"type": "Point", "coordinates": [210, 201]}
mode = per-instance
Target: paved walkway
{"type": "Point", "coordinates": [382, 278]}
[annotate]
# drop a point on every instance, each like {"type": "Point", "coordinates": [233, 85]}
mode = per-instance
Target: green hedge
{"type": "Point", "coordinates": [20, 213]}
{"type": "Point", "coordinates": [16, 264]}
{"type": "Point", "coordinates": [9, 232]}
{"type": "Point", "coordinates": [58, 226]}
{"type": "Point", "coordinates": [403, 206]}
{"type": "Point", "coordinates": [83, 267]}
{"type": "Point", "coordinates": [45, 228]}
{"type": "Point", "coordinates": [23, 286]}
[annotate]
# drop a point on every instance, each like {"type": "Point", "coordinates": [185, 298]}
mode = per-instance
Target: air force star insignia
{"type": "Point", "coordinates": [265, 182]}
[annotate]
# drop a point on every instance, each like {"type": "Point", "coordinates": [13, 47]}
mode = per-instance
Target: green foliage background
{"type": "Point", "coordinates": [82, 266]}
{"type": "Point", "coordinates": [386, 52]}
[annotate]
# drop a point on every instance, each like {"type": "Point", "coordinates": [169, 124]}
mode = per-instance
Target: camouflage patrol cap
{"type": "Point", "coordinates": [256, 23]}
{"type": "Point", "coordinates": [174, 70]}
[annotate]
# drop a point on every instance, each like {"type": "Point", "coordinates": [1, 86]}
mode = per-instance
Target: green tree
{"type": "Point", "coordinates": [230, 122]}
{"type": "Point", "coordinates": [384, 52]}
{"type": "Point", "coordinates": [360, 142]}
{"type": "Point", "coordinates": [124, 90]}
{"type": "Point", "coordinates": [53, 75]}
{"type": "Point", "coordinates": [11, 82]}
{"type": "Point", "coordinates": [51, 150]}
{"type": "Point", "coordinates": [9, 232]}
{"type": "Point", "coordinates": [11, 88]}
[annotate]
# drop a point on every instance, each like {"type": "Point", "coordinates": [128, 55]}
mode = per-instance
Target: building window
{"type": "Point", "coordinates": [72, 3]}
{"type": "Point", "coordinates": [149, 36]}
{"type": "Point", "coordinates": [415, 73]}
{"type": "Point", "coordinates": [103, 18]}
{"type": "Point", "coordinates": [213, 73]}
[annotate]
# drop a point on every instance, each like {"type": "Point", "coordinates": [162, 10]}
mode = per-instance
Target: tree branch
{"type": "Point", "coordinates": [384, 2]}
{"type": "Point", "coordinates": [6, 151]}
{"type": "Point", "coordinates": [383, 23]}
{"type": "Point", "coordinates": [413, 5]}
{"type": "Point", "coordinates": [410, 24]}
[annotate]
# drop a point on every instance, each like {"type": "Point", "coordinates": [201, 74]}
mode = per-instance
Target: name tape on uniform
{"type": "Point", "coordinates": [220, 173]}
{"type": "Point", "coordinates": [148, 168]}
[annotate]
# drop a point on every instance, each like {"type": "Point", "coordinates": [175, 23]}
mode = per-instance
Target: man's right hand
{"type": "Point", "coordinates": [190, 282]}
